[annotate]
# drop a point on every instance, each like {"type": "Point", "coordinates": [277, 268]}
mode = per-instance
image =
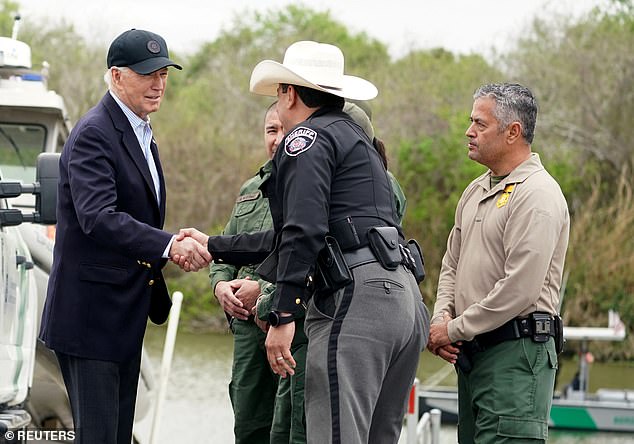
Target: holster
{"type": "Point", "coordinates": [465, 357]}
{"type": "Point", "coordinates": [419, 260]}
{"type": "Point", "coordinates": [332, 271]}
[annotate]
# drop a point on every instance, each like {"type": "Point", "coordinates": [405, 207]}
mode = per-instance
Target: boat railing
{"type": "Point", "coordinates": [425, 430]}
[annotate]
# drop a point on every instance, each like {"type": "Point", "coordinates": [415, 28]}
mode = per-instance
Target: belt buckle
{"type": "Point", "coordinates": [542, 326]}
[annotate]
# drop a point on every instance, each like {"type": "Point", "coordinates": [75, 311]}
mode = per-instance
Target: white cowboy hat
{"type": "Point", "coordinates": [314, 65]}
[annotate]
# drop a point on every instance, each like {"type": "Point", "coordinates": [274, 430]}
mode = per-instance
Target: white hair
{"type": "Point", "coordinates": [107, 77]}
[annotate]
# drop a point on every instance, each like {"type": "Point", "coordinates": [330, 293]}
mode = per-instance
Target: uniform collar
{"type": "Point", "coordinates": [324, 110]}
{"type": "Point", "coordinates": [524, 169]}
{"type": "Point", "coordinates": [266, 168]}
{"type": "Point", "coordinates": [518, 175]}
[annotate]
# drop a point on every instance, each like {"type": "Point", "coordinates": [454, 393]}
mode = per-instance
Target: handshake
{"type": "Point", "coordinates": [189, 250]}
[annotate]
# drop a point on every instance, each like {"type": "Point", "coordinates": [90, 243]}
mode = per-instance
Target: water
{"type": "Point", "coordinates": [197, 408]}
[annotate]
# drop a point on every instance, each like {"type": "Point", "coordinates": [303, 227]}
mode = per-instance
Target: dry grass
{"type": "Point", "coordinates": [601, 262]}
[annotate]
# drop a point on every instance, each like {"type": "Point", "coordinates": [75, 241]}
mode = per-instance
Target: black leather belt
{"type": "Point", "coordinates": [360, 256]}
{"type": "Point", "coordinates": [365, 255]}
{"type": "Point", "coordinates": [352, 232]}
{"type": "Point", "coordinates": [538, 326]}
{"type": "Point", "coordinates": [516, 328]}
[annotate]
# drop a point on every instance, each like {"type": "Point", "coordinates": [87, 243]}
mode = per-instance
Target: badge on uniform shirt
{"type": "Point", "coordinates": [299, 141]}
{"type": "Point", "coordinates": [504, 198]}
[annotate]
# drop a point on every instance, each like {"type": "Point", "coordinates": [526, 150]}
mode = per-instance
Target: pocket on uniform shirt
{"type": "Point", "coordinates": [247, 206]}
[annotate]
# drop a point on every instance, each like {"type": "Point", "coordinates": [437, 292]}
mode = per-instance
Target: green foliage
{"type": "Point", "coordinates": [8, 11]}
{"type": "Point", "coordinates": [425, 89]}
{"type": "Point", "coordinates": [434, 171]}
{"type": "Point", "coordinates": [422, 113]}
{"type": "Point", "coordinates": [76, 69]}
{"type": "Point", "coordinates": [583, 74]}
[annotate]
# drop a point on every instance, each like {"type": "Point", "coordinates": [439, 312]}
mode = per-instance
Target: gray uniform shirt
{"type": "Point", "coordinates": [505, 254]}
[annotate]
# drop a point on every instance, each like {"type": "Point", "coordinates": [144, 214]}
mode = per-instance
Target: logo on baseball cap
{"type": "Point", "coordinates": [142, 51]}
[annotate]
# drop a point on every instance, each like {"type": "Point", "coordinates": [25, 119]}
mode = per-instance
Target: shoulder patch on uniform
{"type": "Point", "coordinates": [299, 140]}
{"type": "Point", "coordinates": [250, 196]}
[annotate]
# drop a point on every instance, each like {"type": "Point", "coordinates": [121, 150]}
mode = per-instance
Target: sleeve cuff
{"type": "Point", "coordinates": [265, 304]}
{"type": "Point", "coordinates": [452, 331]}
{"type": "Point", "coordinates": [166, 252]}
{"type": "Point", "coordinates": [288, 298]}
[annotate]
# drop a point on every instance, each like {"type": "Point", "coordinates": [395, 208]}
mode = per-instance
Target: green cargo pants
{"type": "Point", "coordinates": [507, 395]}
{"type": "Point", "coordinates": [253, 385]}
{"type": "Point", "coordinates": [289, 420]}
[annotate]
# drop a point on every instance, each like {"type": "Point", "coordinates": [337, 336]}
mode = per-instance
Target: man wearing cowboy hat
{"type": "Point", "coordinates": [366, 331]}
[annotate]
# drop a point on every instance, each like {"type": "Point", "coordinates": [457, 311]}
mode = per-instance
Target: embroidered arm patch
{"type": "Point", "coordinates": [299, 141]}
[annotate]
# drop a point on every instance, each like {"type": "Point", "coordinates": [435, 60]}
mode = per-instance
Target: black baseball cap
{"type": "Point", "coordinates": [142, 51]}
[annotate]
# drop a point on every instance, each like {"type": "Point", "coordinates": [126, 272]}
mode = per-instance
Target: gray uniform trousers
{"type": "Point", "coordinates": [364, 344]}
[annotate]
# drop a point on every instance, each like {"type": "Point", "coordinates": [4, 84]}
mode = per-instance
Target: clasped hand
{"type": "Point", "coordinates": [189, 250]}
{"type": "Point", "coordinates": [439, 342]}
{"type": "Point", "coordinates": [237, 297]}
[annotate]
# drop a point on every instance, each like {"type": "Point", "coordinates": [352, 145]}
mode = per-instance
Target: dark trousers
{"type": "Point", "coordinates": [253, 385]}
{"type": "Point", "coordinates": [102, 397]}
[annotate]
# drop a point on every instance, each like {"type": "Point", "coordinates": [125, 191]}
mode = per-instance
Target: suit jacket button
{"type": "Point", "coordinates": [151, 282]}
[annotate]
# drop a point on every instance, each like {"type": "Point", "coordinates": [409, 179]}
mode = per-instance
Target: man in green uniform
{"type": "Point", "coordinates": [498, 291]}
{"type": "Point", "coordinates": [264, 412]}
{"type": "Point", "coordinates": [289, 421]}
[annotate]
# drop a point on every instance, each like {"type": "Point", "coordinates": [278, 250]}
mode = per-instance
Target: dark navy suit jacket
{"type": "Point", "coordinates": [106, 277]}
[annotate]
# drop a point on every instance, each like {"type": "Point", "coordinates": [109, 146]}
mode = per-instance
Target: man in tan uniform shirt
{"type": "Point", "coordinates": [498, 291]}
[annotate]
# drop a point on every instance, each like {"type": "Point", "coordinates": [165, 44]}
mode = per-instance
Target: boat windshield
{"type": "Point", "coordinates": [20, 145]}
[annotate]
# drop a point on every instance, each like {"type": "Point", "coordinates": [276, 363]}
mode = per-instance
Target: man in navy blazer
{"type": "Point", "coordinates": [109, 246]}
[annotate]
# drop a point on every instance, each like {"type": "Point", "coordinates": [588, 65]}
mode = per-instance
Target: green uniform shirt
{"type": "Point", "coordinates": [399, 197]}
{"type": "Point", "coordinates": [250, 213]}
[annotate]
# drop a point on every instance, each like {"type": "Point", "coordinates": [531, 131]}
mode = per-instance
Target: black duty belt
{"type": "Point", "coordinates": [536, 325]}
{"type": "Point", "coordinates": [360, 256]}
{"type": "Point", "coordinates": [365, 255]}
{"type": "Point", "coordinates": [352, 232]}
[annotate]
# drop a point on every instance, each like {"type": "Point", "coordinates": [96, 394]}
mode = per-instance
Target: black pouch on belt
{"type": "Point", "coordinates": [384, 245]}
{"type": "Point", "coordinates": [332, 271]}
